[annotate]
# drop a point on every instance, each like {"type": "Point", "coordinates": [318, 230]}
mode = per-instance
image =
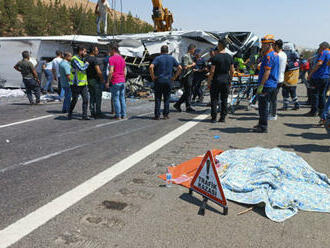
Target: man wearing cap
{"type": "Point", "coordinates": [319, 77]}
{"type": "Point", "coordinates": [268, 79]}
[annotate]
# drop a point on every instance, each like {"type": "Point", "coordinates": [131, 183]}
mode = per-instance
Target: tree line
{"type": "Point", "coordinates": [35, 18]}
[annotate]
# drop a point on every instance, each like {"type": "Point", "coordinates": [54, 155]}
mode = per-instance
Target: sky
{"type": "Point", "coordinates": [304, 22]}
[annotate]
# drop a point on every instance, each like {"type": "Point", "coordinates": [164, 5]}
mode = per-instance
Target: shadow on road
{"type": "Point", "coordinates": [232, 130]}
{"type": "Point", "coordinates": [244, 118]}
{"type": "Point", "coordinates": [54, 111]}
{"type": "Point", "coordinates": [300, 126]}
{"type": "Point", "coordinates": [307, 148]}
{"type": "Point", "coordinates": [311, 136]}
{"type": "Point", "coordinates": [247, 113]}
{"type": "Point", "coordinates": [192, 199]}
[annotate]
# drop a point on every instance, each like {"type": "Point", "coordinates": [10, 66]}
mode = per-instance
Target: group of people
{"type": "Point", "coordinates": [84, 76]}
{"type": "Point", "coordinates": [277, 69]}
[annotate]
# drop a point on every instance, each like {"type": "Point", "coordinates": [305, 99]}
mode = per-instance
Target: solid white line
{"type": "Point", "coordinates": [39, 217]}
{"type": "Point", "coordinates": [26, 121]}
{"type": "Point", "coordinates": [40, 158]}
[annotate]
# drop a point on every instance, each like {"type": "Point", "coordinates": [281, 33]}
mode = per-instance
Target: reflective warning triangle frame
{"type": "Point", "coordinates": [207, 196]}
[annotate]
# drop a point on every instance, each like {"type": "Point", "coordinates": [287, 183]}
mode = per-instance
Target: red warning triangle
{"type": "Point", "coordinates": [206, 181]}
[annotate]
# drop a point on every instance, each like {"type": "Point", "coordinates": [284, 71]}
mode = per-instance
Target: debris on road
{"type": "Point", "coordinates": [11, 93]}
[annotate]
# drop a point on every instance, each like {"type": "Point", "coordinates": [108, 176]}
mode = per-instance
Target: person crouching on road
{"type": "Point", "coordinates": [188, 66]}
{"type": "Point", "coordinates": [117, 78]}
{"type": "Point", "coordinates": [65, 73]}
{"type": "Point", "coordinates": [161, 72]}
{"type": "Point", "coordinates": [30, 77]}
{"type": "Point", "coordinates": [78, 82]}
{"type": "Point", "coordinates": [95, 83]}
{"type": "Point", "coordinates": [221, 74]}
{"type": "Point", "coordinates": [268, 79]}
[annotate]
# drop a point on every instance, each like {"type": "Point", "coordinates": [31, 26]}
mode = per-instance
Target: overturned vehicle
{"type": "Point", "coordinates": [138, 50]}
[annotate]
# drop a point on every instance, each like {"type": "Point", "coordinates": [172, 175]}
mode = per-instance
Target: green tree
{"type": "Point", "coordinates": [36, 18]}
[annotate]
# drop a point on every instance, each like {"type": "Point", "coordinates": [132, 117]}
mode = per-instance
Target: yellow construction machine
{"type": "Point", "coordinates": [162, 17]}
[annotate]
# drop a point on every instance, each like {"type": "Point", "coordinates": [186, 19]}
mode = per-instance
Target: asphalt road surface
{"type": "Point", "coordinates": [94, 183]}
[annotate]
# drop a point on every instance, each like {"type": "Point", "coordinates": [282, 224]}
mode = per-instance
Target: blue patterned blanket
{"type": "Point", "coordinates": [282, 180]}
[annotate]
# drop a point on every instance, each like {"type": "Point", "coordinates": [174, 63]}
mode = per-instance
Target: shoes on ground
{"type": "Point", "coordinates": [222, 120]}
{"type": "Point", "coordinates": [260, 130]}
{"type": "Point", "coordinates": [177, 107]}
{"type": "Point", "coordinates": [190, 110]}
{"type": "Point", "coordinates": [272, 118]}
{"type": "Point", "coordinates": [310, 114]}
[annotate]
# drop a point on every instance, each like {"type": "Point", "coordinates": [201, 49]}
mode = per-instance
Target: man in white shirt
{"type": "Point", "coordinates": [101, 9]}
{"type": "Point", "coordinates": [56, 71]}
{"type": "Point", "coordinates": [283, 61]}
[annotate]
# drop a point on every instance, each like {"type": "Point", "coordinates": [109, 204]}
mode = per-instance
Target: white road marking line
{"type": "Point", "coordinates": [42, 215]}
{"type": "Point", "coordinates": [26, 121]}
{"type": "Point", "coordinates": [114, 122]}
{"type": "Point", "coordinates": [40, 158]}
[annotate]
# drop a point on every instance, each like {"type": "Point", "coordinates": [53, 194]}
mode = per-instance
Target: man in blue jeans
{"type": "Point", "coordinates": [161, 72]}
{"type": "Point", "coordinates": [319, 77]}
{"type": "Point", "coordinates": [117, 77]}
{"type": "Point", "coordinates": [268, 79]}
{"type": "Point", "coordinates": [65, 72]}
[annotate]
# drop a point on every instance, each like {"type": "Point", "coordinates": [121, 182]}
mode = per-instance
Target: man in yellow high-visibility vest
{"type": "Point", "coordinates": [78, 82]}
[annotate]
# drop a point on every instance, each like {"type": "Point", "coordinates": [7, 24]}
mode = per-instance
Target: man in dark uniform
{"type": "Point", "coordinates": [188, 66]}
{"type": "Point", "coordinates": [95, 83]}
{"type": "Point", "coordinates": [199, 75]}
{"type": "Point", "coordinates": [221, 73]}
{"type": "Point", "coordinates": [161, 72]}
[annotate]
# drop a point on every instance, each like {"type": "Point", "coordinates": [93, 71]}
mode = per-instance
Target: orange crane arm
{"type": "Point", "coordinates": [162, 17]}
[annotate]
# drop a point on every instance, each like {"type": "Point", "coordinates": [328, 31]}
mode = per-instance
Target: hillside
{"type": "Point", "coordinates": [87, 5]}
{"type": "Point", "coordinates": [61, 17]}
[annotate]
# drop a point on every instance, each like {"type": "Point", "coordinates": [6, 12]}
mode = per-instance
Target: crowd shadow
{"type": "Point", "coordinates": [64, 118]}
{"type": "Point", "coordinates": [244, 118]}
{"type": "Point", "coordinates": [194, 200]}
{"type": "Point", "coordinates": [300, 126]}
{"type": "Point", "coordinates": [232, 130]}
{"type": "Point", "coordinates": [307, 148]}
{"type": "Point", "coordinates": [245, 114]}
{"type": "Point", "coordinates": [141, 118]}
{"type": "Point", "coordinates": [286, 114]}
{"type": "Point", "coordinates": [54, 111]}
{"type": "Point", "coordinates": [311, 136]}
{"type": "Point", "coordinates": [20, 104]}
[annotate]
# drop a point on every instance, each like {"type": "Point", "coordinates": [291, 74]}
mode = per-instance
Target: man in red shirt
{"type": "Point", "coordinates": [117, 78]}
